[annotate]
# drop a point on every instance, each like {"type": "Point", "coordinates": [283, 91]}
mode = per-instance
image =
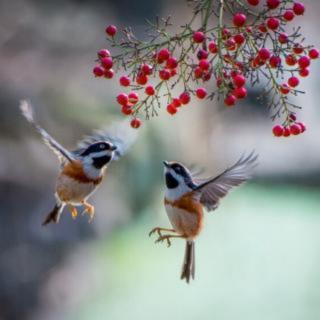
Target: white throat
{"type": "Point", "coordinates": [178, 192]}
{"type": "Point", "coordinates": [91, 171]}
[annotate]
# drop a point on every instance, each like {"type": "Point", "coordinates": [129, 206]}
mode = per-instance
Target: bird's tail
{"type": "Point", "coordinates": [54, 215]}
{"type": "Point", "coordinates": [188, 267]}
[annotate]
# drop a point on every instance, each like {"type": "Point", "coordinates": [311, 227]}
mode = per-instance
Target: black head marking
{"type": "Point", "coordinates": [97, 147]}
{"type": "Point", "coordinates": [171, 182]}
{"type": "Point", "coordinates": [98, 163]}
{"type": "Point", "coordinates": [180, 170]}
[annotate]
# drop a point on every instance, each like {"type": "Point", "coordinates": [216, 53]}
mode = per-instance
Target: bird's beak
{"type": "Point", "coordinates": [166, 164]}
{"type": "Point", "coordinates": [114, 148]}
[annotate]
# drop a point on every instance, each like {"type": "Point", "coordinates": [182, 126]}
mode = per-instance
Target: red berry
{"type": "Point", "coordinates": [133, 97]}
{"type": "Point", "coordinates": [230, 44]}
{"type": "Point", "coordinates": [172, 63]}
{"type": "Point", "coordinates": [198, 72]}
{"type": "Point", "coordinates": [286, 132]}
{"type": "Point", "coordinates": [295, 129]}
{"type": "Point", "coordinates": [135, 123]}
{"type": "Point", "coordinates": [278, 130]}
{"type": "Point", "coordinates": [284, 89]}
{"type": "Point", "coordinates": [314, 53]}
{"type": "Point", "coordinates": [275, 62]}
{"type": "Point", "coordinates": [122, 99]}
{"type": "Point", "coordinates": [106, 62]}
{"type": "Point", "coordinates": [204, 64]}
{"type": "Point", "coordinates": [108, 73]}
{"type": "Point", "coordinates": [146, 69]}
{"type": "Point", "coordinates": [293, 117]}
{"type": "Point", "coordinates": [163, 55]}
{"type": "Point", "coordinates": [98, 71]}
{"type": "Point", "coordinates": [198, 36]}
{"type": "Point", "coordinates": [201, 93]}
{"type": "Point", "coordinates": [184, 97]}
{"type": "Point", "coordinates": [240, 93]}
{"type": "Point", "coordinates": [298, 8]}
{"type": "Point", "coordinates": [173, 72]}
{"type": "Point", "coordinates": [213, 47]}
{"type": "Point", "coordinates": [239, 38]}
{"type": "Point", "coordinates": [273, 23]}
{"type": "Point", "coordinates": [239, 19]}
{"type": "Point", "coordinates": [283, 37]}
{"type": "Point", "coordinates": [226, 33]}
{"type": "Point", "coordinates": [176, 102]}
{"type": "Point", "coordinates": [103, 53]}
{"type": "Point", "coordinates": [264, 54]}
{"type": "Point", "coordinates": [111, 30]}
{"type": "Point", "coordinates": [262, 28]}
{"type": "Point", "coordinates": [124, 81]}
{"type": "Point", "coordinates": [302, 126]}
{"type": "Point", "coordinates": [253, 2]}
{"type": "Point", "coordinates": [230, 100]}
{"type": "Point", "coordinates": [288, 15]}
{"type": "Point", "coordinates": [293, 82]}
{"type": "Point", "coordinates": [304, 62]}
{"type": "Point", "coordinates": [239, 80]}
{"type": "Point", "coordinates": [202, 54]}
{"type": "Point", "coordinates": [142, 79]}
{"type": "Point", "coordinates": [291, 60]}
{"type": "Point", "coordinates": [273, 4]}
{"type": "Point", "coordinates": [206, 76]}
{"type": "Point", "coordinates": [304, 72]}
{"type": "Point", "coordinates": [149, 90]}
{"type": "Point", "coordinates": [127, 110]}
{"type": "Point", "coordinates": [164, 74]}
{"type": "Point", "coordinates": [298, 49]}
{"type": "Point", "coordinates": [171, 109]}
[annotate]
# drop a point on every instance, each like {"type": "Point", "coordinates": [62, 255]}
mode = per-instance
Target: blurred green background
{"type": "Point", "coordinates": [258, 255]}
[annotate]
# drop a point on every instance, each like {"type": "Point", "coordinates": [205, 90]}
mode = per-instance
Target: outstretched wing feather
{"type": "Point", "coordinates": [213, 189]}
{"type": "Point", "coordinates": [55, 146]}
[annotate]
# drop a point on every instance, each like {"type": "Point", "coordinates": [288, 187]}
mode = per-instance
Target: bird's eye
{"type": "Point", "coordinates": [177, 169]}
{"type": "Point", "coordinates": [102, 146]}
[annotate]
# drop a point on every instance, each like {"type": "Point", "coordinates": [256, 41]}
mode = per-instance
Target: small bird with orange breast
{"type": "Point", "coordinates": [185, 197]}
{"type": "Point", "coordinates": [83, 169]}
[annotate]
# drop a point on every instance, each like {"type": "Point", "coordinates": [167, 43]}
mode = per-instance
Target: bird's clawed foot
{"type": "Point", "coordinates": [74, 212]}
{"type": "Point", "coordinates": [164, 238]}
{"type": "Point", "coordinates": [89, 209]}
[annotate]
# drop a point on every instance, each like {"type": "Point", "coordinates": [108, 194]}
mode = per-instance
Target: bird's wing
{"type": "Point", "coordinates": [213, 189]}
{"type": "Point", "coordinates": [121, 134]}
{"type": "Point", "coordinates": [55, 146]}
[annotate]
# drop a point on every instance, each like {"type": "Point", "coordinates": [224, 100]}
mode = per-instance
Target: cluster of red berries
{"type": "Point", "coordinates": [293, 128]}
{"type": "Point", "coordinates": [233, 57]}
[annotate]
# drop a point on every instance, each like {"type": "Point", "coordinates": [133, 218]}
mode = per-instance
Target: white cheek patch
{"type": "Point", "coordinates": [100, 154]}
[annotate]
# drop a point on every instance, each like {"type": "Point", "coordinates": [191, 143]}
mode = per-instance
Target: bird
{"type": "Point", "coordinates": [83, 169]}
{"type": "Point", "coordinates": [185, 198]}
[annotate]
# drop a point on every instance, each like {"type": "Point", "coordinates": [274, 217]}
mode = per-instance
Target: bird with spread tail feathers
{"type": "Point", "coordinates": [83, 169]}
{"type": "Point", "coordinates": [185, 197]}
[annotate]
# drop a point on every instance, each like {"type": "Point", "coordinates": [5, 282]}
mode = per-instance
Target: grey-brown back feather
{"type": "Point", "coordinates": [55, 146]}
{"type": "Point", "coordinates": [213, 189]}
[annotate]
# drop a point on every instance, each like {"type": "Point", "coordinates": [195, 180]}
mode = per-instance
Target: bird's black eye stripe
{"type": "Point", "coordinates": [177, 168]}
{"type": "Point", "coordinates": [96, 147]}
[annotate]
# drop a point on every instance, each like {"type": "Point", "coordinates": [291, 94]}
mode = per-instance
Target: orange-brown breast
{"type": "Point", "coordinates": [185, 214]}
{"type": "Point", "coordinates": [75, 170]}
{"type": "Point", "coordinates": [73, 185]}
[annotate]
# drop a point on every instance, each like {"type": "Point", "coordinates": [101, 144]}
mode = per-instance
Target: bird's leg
{"type": "Point", "coordinates": [74, 212]}
{"type": "Point", "coordinates": [89, 209]}
{"type": "Point", "coordinates": [158, 230]}
{"type": "Point", "coordinates": [167, 237]}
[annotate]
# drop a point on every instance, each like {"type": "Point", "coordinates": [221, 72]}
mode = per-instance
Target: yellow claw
{"type": "Point", "coordinates": [74, 212]}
